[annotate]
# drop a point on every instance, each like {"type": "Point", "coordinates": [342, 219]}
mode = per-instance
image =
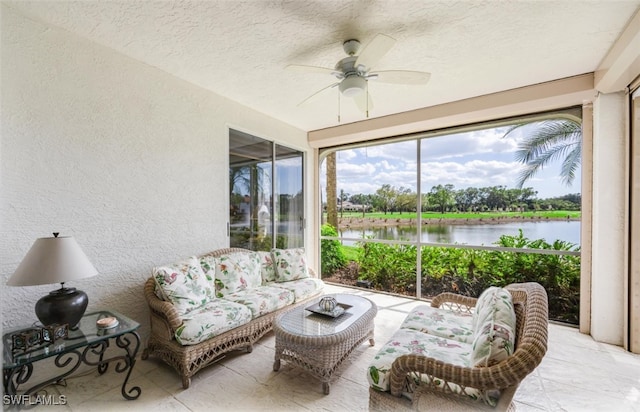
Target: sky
{"type": "Point", "coordinates": [478, 158]}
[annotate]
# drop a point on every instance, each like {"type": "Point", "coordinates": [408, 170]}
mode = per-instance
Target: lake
{"type": "Point", "coordinates": [480, 234]}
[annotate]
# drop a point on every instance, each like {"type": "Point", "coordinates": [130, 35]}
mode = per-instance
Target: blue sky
{"type": "Point", "coordinates": [472, 159]}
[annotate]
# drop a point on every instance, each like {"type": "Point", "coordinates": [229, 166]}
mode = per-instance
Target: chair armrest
{"type": "Point", "coordinates": [165, 310]}
{"type": "Point", "coordinates": [454, 302]}
{"type": "Point", "coordinates": [486, 378]}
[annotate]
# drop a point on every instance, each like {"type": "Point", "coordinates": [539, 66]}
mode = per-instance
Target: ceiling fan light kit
{"type": "Point", "coordinates": [353, 85]}
{"type": "Point", "coordinates": [354, 71]}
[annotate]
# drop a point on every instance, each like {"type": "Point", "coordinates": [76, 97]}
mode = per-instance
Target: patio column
{"type": "Point", "coordinates": [610, 217]}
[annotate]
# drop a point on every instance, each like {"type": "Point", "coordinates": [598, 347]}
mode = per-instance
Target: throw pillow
{"type": "Point", "coordinates": [494, 335]}
{"type": "Point", "coordinates": [483, 306]}
{"type": "Point", "coordinates": [291, 264]}
{"type": "Point", "coordinates": [267, 269]}
{"type": "Point", "coordinates": [236, 272]}
{"type": "Point", "coordinates": [209, 265]}
{"type": "Point", "coordinates": [184, 284]}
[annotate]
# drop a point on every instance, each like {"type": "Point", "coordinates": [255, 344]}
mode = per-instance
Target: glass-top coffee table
{"type": "Point", "coordinates": [320, 343]}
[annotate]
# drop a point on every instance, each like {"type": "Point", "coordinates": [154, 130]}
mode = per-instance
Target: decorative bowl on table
{"type": "Point", "coordinates": [334, 307]}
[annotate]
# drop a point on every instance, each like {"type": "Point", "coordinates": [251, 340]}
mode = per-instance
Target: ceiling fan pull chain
{"type": "Point", "coordinates": [338, 107]}
{"type": "Point", "coordinates": [367, 99]}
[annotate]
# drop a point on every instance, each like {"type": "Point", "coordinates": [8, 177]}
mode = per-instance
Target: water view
{"type": "Point", "coordinates": [482, 234]}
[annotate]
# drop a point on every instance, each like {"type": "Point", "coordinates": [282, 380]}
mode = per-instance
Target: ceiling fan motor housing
{"type": "Point", "coordinates": [351, 46]}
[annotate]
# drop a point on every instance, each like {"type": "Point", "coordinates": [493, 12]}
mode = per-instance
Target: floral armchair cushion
{"type": "Point", "coordinates": [444, 323]}
{"type": "Point", "coordinates": [236, 272]}
{"type": "Point", "coordinates": [184, 284]}
{"type": "Point", "coordinates": [291, 264]}
{"type": "Point", "coordinates": [409, 341]}
{"type": "Point", "coordinates": [494, 333]}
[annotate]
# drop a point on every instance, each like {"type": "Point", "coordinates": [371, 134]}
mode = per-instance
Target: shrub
{"type": "Point", "coordinates": [392, 268]}
{"type": "Point", "coordinates": [332, 255]}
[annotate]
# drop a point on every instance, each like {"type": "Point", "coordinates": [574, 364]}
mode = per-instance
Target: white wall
{"type": "Point", "coordinates": [129, 160]}
{"type": "Point", "coordinates": [609, 204]}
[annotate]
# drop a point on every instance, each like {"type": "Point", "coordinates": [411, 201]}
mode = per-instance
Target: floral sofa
{"type": "Point", "coordinates": [222, 301]}
{"type": "Point", "coordinates": [462, 353]}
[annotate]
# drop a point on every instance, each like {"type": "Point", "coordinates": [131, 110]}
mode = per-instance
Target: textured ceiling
{"type": "Point", "coordinates": [239, 49]}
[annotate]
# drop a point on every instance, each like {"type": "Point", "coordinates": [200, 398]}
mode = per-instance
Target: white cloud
{"type": "Point", "coordinates": [348, 171]}
{"type": "Point", "coordinates": [469, 143]}
{"type": "Point", "coordinates": [479, 158]}
{"type": "Point", "coordinates": [387, 166]}
{"type": "Point", "coordinates": [475, 173]}
{"type": "Point", "coordinates": [348, 154]}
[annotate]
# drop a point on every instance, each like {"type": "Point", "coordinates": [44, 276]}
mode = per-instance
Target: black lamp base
{"type": "Point", "coordinates": [65, 305]}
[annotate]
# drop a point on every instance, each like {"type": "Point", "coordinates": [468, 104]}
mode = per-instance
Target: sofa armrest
{"type": "Point", "coordinates": [454, 302]}
{"type": "Point", "coordinates": [163, 309]}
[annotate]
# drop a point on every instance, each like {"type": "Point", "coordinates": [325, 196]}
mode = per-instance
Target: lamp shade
{"type": "Point", "coordinates": [52, 260]}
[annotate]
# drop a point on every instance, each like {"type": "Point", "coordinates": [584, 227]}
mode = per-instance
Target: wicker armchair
{"type": "Point", "coordinates": [188, 360]}
{"type": "Point", "coordinates": [531, 307]}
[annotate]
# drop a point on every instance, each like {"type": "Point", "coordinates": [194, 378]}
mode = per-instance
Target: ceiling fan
{"type": "Point", "coordinates": [354, 71]}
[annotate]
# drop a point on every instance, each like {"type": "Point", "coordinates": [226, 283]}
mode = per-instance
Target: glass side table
{"type": "Point", "coordinates": [85, 344]}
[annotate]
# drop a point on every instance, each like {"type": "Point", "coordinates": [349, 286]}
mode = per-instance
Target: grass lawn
{"type": "Point", "coordinates": [551, 214]}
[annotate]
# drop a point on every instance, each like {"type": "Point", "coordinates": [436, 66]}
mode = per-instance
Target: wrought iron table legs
{"type": "Point", "coordinates": [92, 355]}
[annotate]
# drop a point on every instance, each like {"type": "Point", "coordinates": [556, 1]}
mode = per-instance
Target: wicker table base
{"type": "Point", "coordinates": [319, 343]}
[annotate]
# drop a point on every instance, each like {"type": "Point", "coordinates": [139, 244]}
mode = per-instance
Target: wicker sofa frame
{"type": "Point", "coordinates": [189, 359]}
{"type": "Point", "coordinates": [531, 307]}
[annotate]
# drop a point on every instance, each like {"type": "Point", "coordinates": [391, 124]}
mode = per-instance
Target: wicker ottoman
{"type": "Point", "coordinates": [320, 343]}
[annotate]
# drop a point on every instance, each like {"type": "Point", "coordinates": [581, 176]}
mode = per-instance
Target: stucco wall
{"type": "Point", "coordinates": [129, 160]}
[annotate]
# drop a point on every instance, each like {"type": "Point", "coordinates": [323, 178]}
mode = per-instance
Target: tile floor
{"type": "Point", "coordinates": [577, 374]}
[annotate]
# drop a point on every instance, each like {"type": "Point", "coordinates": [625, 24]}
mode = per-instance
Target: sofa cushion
{"type": "Point", "coordinates": [184, 284]}
{"type": "Point", "coordinates": [262, 299]}
{"type": "Point", "coordinates": [212, 319]}
{"type": "Point", "coordinates": [291, 264]}
{"type": "Point", "coordinates": [267, 268]}
{"type": "Point", "coordinates": [439, 322]}
{"type": "Point", "coordinates": [409, 341]}
{"type": "Point", "coordinates": [303, 288]}
{"type": "Point", "coordinates": [494, 334]}
{"type": "Point", "coordinates": [236, 272]}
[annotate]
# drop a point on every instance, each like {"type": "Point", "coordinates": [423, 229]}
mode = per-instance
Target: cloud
{"type": "Point", "coordinates": [480, 158]}
{"type": "Point", "coordinates": [475, 173]}
{"type": "Point", "coordinates": [469, 143]}
{"type": "Point", "coordinates": [348, 154]}
{"type": "Point", "coordinates": [349, 170]}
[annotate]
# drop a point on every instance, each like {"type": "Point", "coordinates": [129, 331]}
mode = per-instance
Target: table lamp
{"type": "Point", "coordinates": [56, 260]}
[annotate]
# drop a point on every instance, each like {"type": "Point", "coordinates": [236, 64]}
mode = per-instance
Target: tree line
{"type": "Point", "coordinates": [446, 198]}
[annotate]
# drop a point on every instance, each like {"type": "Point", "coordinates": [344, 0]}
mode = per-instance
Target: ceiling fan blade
{"type": "Point", "coordinates": [312, 69]}
{"type": "Point", "coordinates": [316, 94]}
{"type": "Point", "coordinates": [401, 77]}
{"type": "Point", "coordinates": [374, 51]}
{"type": "Point", "coordinates": [364, 102]}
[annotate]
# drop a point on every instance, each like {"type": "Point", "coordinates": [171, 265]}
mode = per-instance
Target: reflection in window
{"type": "Point", "coordinates": [265, 183]}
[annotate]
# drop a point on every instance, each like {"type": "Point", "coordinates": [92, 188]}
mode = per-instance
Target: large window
{"type": "Point", "coordinates": [458, 210]}
{"type": "Point", "coordinates": [266, 194]}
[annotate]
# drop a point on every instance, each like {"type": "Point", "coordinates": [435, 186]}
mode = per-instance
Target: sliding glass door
{"type": "Point", "coordinates": [289, 199]}
{"type": "Point", "coordinates": [266, 194]}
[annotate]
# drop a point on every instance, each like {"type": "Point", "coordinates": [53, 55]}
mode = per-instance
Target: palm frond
{"type": "Point", "coordinates": [551, 140]}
